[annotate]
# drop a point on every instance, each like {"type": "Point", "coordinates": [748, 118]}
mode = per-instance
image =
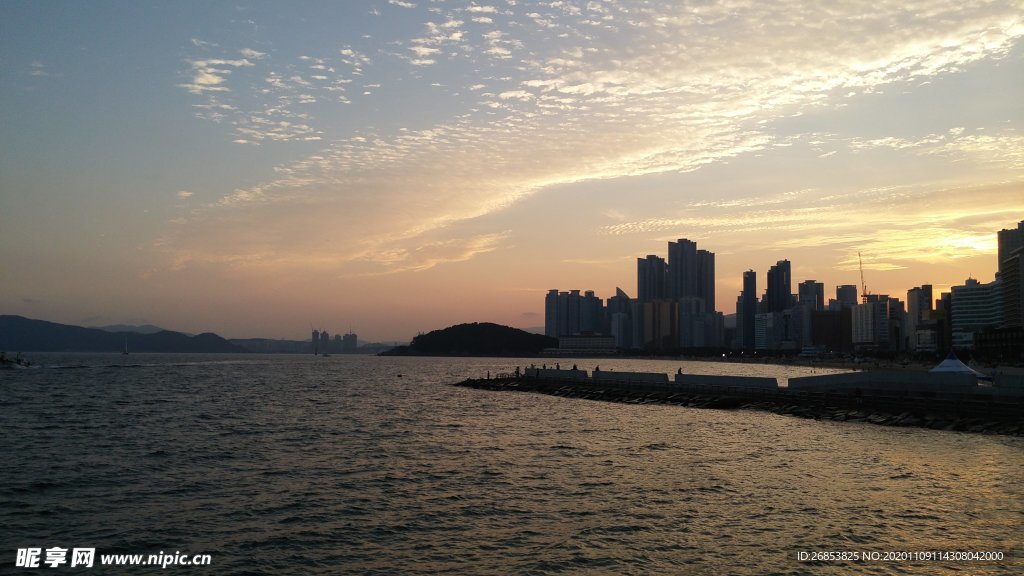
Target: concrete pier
{"type": "Point", "coordinates": [855, 397]}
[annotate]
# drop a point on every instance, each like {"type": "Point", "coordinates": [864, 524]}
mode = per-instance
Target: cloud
{"type": "Point", "coordinates": [574, 93]}
{"type": "Point", "coordinates": [184, 194]}
{"type": "Point", "coordinates": [251, 54]}
{"type": "Point", "coordinates": [38, 69]}
{"type": "Point", "coordinates": [1004, 149]}
{"type": "Point", "coordinates": [210, 75]}
{"type": "Point", "coordinates": [892, 226]}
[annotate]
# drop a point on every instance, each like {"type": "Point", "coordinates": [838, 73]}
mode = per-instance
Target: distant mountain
{"type": "Point", "coordinates": [144, 329]}
{"type": "Point", "coordinates": [22, 334]}
{"type": "Point", "coordinates": [476, 339]}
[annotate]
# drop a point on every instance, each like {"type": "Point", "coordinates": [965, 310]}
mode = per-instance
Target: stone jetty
{"type": "Point", "coordinates": [942, 403]}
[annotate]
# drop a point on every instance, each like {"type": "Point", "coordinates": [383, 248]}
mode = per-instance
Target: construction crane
{"type": "Point", "coordinates": [863, 286]}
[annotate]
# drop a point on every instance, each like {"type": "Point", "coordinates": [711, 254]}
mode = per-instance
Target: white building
{"type": "Point", "coordinates": [975, 307]}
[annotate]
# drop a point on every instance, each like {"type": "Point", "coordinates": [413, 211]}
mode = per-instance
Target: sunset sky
{"type": "Point", "coordinates": [394, 167]}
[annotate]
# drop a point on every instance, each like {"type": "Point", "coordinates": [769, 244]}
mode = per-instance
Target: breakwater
{"type": "Point", "coordinates": [945, 407]}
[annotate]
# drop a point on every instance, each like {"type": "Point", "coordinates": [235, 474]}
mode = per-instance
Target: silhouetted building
{"type": "Point", "coordinates": [877, 323]}
{"type": "Point", "coordinates": [619, 312]}
{"type": "Point", "coordinates": [691, 273]}
{"type": "Point", "coordinates": [779, 294]}
{"type": "Point", "coordinates": [316, 342]}
{"type": "Point", "coordinates": [551, 313]}
{"type": "Point", "coordinates": [832, 330]}
{"type": "Point", "coordinates": [1011, 274]}
{"type": "Point", "coordinates": [660, 319]}
{"type": "Point", "coordinates": [651, 278]}
{"type": "Point", "coordinates": [568, 313]}
{"type": "Point", "coordinates": [698, 327]}
{"type": "Point", "coordinates": [349, 343]}
{"type": "Point", "coordinates": [846, 296]}
{"type": "Point", "coordinates": [920, 330]}
{"type": "Point", "coordinates": [811, 293]}
{"type": "Point", "coordinates": [591, 314]}
{"type": "Point", "coordinates": [1009, 240]}
{"type": "Point", "coordinates": [747, 310]}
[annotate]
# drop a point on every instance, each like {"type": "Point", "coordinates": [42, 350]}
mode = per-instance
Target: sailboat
{"type": "Point", "coordinates": [125, 353]}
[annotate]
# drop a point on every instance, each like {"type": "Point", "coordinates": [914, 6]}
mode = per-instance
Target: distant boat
{"type": "Point", "coordinates": [125, 353]}
{"type": "Point", "coordinates": [13, 364]}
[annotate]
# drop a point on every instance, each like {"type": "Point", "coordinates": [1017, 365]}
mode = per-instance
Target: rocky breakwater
{"type": "Point", "coordinates": [979, 413]}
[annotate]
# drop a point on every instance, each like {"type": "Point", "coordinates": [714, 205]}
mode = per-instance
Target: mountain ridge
{"type": "Point", "coordinates": [18, 333]}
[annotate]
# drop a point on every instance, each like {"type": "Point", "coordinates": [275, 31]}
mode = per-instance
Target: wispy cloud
{"type": "Point", "coordinates": [568, 93]}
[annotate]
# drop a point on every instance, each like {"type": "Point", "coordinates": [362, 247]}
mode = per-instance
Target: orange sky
{"type": "Point", "coordinates": [393, 168]}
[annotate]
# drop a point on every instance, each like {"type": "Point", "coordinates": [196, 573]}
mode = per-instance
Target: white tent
{"type": "Point", "coordinates": [953, 364]}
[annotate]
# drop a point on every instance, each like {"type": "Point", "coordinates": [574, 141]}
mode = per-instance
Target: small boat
{"type": "Point", "coordinates": [13, 364]}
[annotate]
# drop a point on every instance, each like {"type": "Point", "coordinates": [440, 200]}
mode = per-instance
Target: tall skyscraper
{"type": "Point", "coordinates": [691, 273]}
{"type": "Point", "coordinates": [619, 312]}
{"type": "Point", "coordinates": [780, 286]}
{"type": "Point", "coordinates": [919, 313]}
{"type": "Point", "coordinates": [591, 313]}
{"type": "Point", "coordinates": [811, 294]}
{"type": "Point", "coordinates": [748, 309]}
{"type": "Point", "coordinates": [1011, 274]}
{"type": "Point", "coordinates": [1010, 240]}
{"type": "Point", "coordinates": [651, 278]}
{"type": "Point", "coordinates": [551, 313]}
{"type": "Point", "coordinates": [568, 313]}
{"type": "Point", "coordinates": [846, 295]}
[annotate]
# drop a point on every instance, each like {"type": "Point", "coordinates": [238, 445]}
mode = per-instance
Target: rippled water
{"type": "Point", "coordinates": [303, 465]}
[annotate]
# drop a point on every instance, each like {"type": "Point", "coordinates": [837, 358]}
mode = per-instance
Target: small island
{"type": "Point", "coordinates": [475, 339]}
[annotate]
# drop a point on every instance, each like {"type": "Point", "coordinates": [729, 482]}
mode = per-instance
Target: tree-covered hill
{"type": "Point", "coordinates": [477, 339]}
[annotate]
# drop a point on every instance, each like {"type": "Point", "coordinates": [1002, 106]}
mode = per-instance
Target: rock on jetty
{"type": "Point", "coordinates": [870, 398]}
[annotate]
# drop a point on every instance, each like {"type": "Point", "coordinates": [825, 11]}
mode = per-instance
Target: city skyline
{"type": "Point", "coordinates": [400, 166]}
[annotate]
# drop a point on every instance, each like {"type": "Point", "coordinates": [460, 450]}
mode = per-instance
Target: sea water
{"type": "Point", "coordinates": [366, 465]}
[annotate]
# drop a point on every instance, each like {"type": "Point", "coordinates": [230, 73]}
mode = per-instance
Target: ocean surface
{"type": "Point", "coordinates": [367, 465]}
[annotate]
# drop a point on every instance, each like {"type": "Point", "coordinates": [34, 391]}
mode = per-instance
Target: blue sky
{"type": "Point", "coordinates": [395, 167]}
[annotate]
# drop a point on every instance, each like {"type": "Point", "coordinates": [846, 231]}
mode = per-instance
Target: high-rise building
{"type": "Point", "coordinates": [316, 342]}
{"type": "Point", "coordinates": [551, 313]}
{"type": "Point", "coordinates": [569, 313]}
{"type": "Point", "coordinates": [349, 343]}
{"type": "Point", "coordinates": [919, 327]}
{"type": "Point", "coordinates": [877, 323]}
{"type": "Point", "coordinates": [591, 313]}
{"type": "Point", "coordinates": [1011, 274]}
{"type": "Point", "coordinates": [1010, 240]}
{"type": "Point", "coordinates": [651, 278]}
{"type": "Point", "coordinates": [811, 294]}
{"type": "Point", "coordinates": [846, 295]}
{"type": "Point", "coordinates": [619, 314]}
{"type": "Point", "coordinates": [975, 307]}
{"type": "Point", "coordinates": [691, 273]}
{"type": "Point", "coordinates": [747, 310]}
{"type": "Point", "coordinates": [780, 286]}
{"type": "Point", "coordinates": [660, 319]}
